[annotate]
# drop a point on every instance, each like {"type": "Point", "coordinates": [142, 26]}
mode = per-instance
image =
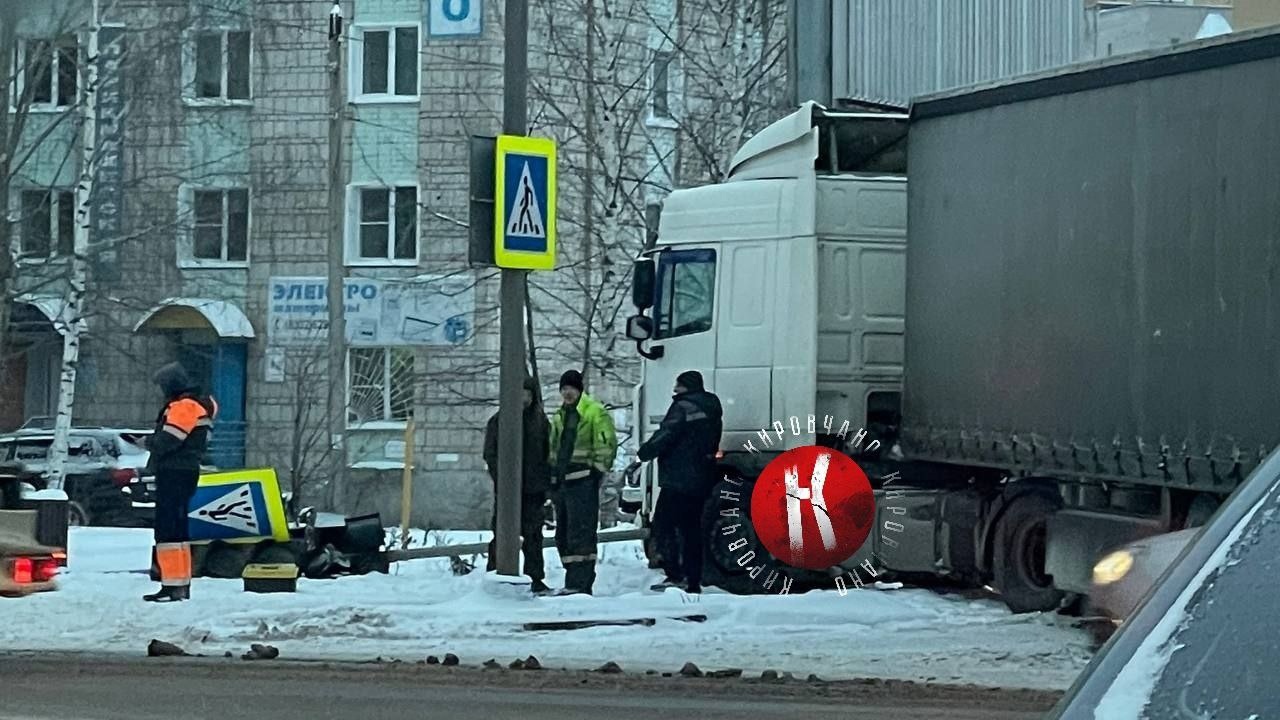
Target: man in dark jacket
{"type": "Point", "coordinates": [535, 476]}
{"type": "Point", "coordinates": [685, 446]}
{"type": "Point", "coordinates": [177, 447]}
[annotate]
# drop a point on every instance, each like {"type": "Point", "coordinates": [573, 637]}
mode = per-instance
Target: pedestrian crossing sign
{"type": "Point", "coordinates": [244, 505]}
{"type": "Point", "coordinates": [525, 212]}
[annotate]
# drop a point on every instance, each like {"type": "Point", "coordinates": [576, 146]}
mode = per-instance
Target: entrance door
{"type": "Point", "coordinates": [220, 370]}
{"type": "Point", "coordinates": [229, 374]}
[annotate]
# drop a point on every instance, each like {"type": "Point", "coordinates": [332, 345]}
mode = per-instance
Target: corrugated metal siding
{"type": "Point", "coordinates": [890, 51]}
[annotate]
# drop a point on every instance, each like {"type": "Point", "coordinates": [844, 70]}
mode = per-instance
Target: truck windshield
{"type": "Point", "coordinates": [685, 301]}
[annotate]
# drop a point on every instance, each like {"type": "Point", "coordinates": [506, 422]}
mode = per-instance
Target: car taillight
{"type": "Point", "coordinates": [123, 477]}
{"type": "Point", "coordinates": [45, 569]}
{"type": "Point", "coordinates": [24, 571]}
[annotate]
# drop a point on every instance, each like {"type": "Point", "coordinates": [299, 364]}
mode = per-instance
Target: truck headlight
{"type": "Point", "coordinates": [1113, 567]}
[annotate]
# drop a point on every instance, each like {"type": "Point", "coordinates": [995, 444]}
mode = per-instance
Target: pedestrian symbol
{"type": "Point", "coordinates": [240, 505]}
{"type": "Point", "coordinates": [525, 217]}
{"type": "Point", "coordinates": [234, 510]}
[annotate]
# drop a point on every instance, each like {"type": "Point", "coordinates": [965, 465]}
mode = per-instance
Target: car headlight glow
{"type": "Point", "coordinates": [1113, 567]}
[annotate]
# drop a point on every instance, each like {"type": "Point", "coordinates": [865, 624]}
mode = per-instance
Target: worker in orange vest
{"type": "Point", "coordinates": [177, 447]}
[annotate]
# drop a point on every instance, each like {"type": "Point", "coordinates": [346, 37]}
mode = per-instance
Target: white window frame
{"type": "Point", "coordinates": [187, 214]}
{"type": "Point", "coordinates": [190, 45]}
{"type": "Point", "coordinates": [20, 74]}
{"type": "Point", "coordinates": [54, 224]}
{"type": "Point", "coordinates": [356, 65]}
{"type": "Point", "coordinates": [352, 243]}
{"type": "Point", "coordinates": [653, 119]}
{"type": "Point", "coordinates": [386, 423]}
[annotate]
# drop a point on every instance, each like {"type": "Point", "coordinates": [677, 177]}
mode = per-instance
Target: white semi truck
{"type": "Point", "coordinates": [1062, 331]}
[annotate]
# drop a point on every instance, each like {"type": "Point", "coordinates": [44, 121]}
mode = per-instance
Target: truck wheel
{"type": "Point", "coordinates": [1019, 557]}
{"type": "Point", "coordinates": [718, 565]}
{"type": "Point", "coordinates": [77, 516]}
{"type": "Point", "coordinates": [1200, 511]}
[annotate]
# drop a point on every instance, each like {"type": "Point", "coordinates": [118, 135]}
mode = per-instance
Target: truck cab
{"type": "Point", "coordinates": [784, 285]}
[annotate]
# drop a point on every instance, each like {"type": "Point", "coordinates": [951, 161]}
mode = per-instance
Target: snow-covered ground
{"type": "Point", "coordinates": [422, 609]}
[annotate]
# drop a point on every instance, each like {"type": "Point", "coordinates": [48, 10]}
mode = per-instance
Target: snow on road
{"type": "Point", "coordinates": [422, 609]}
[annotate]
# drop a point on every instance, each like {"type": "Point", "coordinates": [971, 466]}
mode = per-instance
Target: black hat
{"type": "Point", "coordinates": [690, 380]}
{"type": "Point", "coordinates": [172, 379]}
{"type": "Point", "coordinates": [571, 378]}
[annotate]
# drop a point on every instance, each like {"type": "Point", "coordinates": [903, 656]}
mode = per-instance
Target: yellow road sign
{"type": "Point", "coordinates": [524, 228]}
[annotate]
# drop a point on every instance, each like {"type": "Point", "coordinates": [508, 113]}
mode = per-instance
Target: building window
{"type": "Point", "coordinates": [387, 63]}
{"type": "Point", "coordinates": [49, 72]}
{"type": "Point", "coordinates": [661, 85]}
{"type": "Point", "coordinates": [220, 228]}
{"type": "Point", "coordinates": [379, 386]}
{"type": "Point", "coordinates": [387, 224]}
{"type": "Point", "coordinates": [48, 223]}
{"type": "Point", "coordinates": [222, 66]}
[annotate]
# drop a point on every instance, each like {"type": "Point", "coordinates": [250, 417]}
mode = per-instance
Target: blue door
{"type": "Point", "coordinates": [230, 361]}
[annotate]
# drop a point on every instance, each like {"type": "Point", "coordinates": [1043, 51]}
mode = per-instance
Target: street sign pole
{"type": "Point", "coordinates": [515, 121]}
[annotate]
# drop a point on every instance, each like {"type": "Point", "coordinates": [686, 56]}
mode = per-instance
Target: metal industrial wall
{"type": "Point", "coordinates": [889, 51]}
{"type": "Point", "coordinates": [1095, 273]}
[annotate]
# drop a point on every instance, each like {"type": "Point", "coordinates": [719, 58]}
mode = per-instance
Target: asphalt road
{"type": "Point", "coordinates": [84, 688]}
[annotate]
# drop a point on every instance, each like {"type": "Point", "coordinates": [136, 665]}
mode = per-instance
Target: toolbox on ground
{"type": "Point", "coordinates": [270, 578]}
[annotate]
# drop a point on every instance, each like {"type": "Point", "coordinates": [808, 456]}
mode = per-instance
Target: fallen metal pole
{"type": "Point", "coordinates": [483, 547]}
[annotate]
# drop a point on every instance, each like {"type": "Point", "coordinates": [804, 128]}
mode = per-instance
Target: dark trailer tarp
{"type": "Point", "coordinates": [1092, 265]}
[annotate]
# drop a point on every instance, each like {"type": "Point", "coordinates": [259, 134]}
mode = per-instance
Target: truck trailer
{"type": "Point", "coordinates": [1051, 303]}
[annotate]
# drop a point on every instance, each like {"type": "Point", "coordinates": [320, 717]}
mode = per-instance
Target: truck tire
{"type": "Point", "coordinates": [1019, 555]}
{"type": "Point", "coordinates": [718, 566]}
{"type": "Point", "coordinates": [77, 516]}
{"type": "Point", "coordinates": [1200, 511]}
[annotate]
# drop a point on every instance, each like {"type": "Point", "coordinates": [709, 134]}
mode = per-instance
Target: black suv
{"type": "Point", "coordinates": [105, 467]}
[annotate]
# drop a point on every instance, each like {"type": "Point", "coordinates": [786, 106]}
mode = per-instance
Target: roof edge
{"type": "Point", "coordinates": [1222, 51]}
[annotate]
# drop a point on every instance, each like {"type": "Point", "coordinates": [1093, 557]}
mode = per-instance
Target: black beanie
{"type": "Point", "coordinates": [571, 378]}
{"type": "Point", "coordinates": [690, 380]}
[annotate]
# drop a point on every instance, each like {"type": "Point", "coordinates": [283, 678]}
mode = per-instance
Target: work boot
{"type": "Point", "coordinates": [169, 593]}
{"type": "Point", "coordinates": [537, 587]}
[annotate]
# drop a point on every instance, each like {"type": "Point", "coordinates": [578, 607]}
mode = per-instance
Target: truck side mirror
{"type": "Point", "coordinates": [639, 327]}
{"type": "Point", "coordinates": [642, 281]}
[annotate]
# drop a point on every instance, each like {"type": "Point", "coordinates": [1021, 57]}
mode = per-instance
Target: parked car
{"type": "Point", "coordinates": [26, 566]}
{"type": "Point", "coordinates": [104, 465]}
{"type": "Point", "coordinates": [1198, 644]}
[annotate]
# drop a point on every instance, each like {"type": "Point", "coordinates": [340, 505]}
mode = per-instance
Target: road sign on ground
{"type": "Point", "coordinates": [525, 208]}
{"type": "Point", "coordinates": [240, 505]}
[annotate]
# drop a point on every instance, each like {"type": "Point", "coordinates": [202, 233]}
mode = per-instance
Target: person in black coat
{"type": "Point", "coordinates": [177, 447]}
{"type": "Point", "coordinates": [685, 446]}
{"type": "Point", "coordinates": [535, 480]}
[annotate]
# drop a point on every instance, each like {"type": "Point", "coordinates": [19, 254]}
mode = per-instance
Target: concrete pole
{"type": "Point", "coordinates": [337, 406]}
{"type": "Point", "coordinates": [515, 121]}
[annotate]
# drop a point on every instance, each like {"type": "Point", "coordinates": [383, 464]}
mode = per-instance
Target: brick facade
{"type": "Point", "coordinates": [615, 158]}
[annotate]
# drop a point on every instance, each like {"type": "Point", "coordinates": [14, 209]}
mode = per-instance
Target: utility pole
{"type": "Point", "coordinates": [337, 300]}
{"type": "Point", "coordinates": [515, 121]}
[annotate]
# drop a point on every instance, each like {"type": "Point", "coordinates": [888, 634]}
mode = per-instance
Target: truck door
{"type": "Point", "coordinates": [683, 318]}
{"type": "Point", "coordinates": [745, 332]}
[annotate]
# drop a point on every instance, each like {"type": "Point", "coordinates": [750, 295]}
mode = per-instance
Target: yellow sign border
{"type": "Point", "coordinates": [266, 477]}
{"type": "Point", "coordinates": [517, 259]}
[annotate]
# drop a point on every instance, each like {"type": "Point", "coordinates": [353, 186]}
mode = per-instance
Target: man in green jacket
{"type": "Point", "coordinates": [583, 447]}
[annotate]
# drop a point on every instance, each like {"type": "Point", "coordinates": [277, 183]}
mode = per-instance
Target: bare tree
{"type": "Point", "coordinates": [732, 57]}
